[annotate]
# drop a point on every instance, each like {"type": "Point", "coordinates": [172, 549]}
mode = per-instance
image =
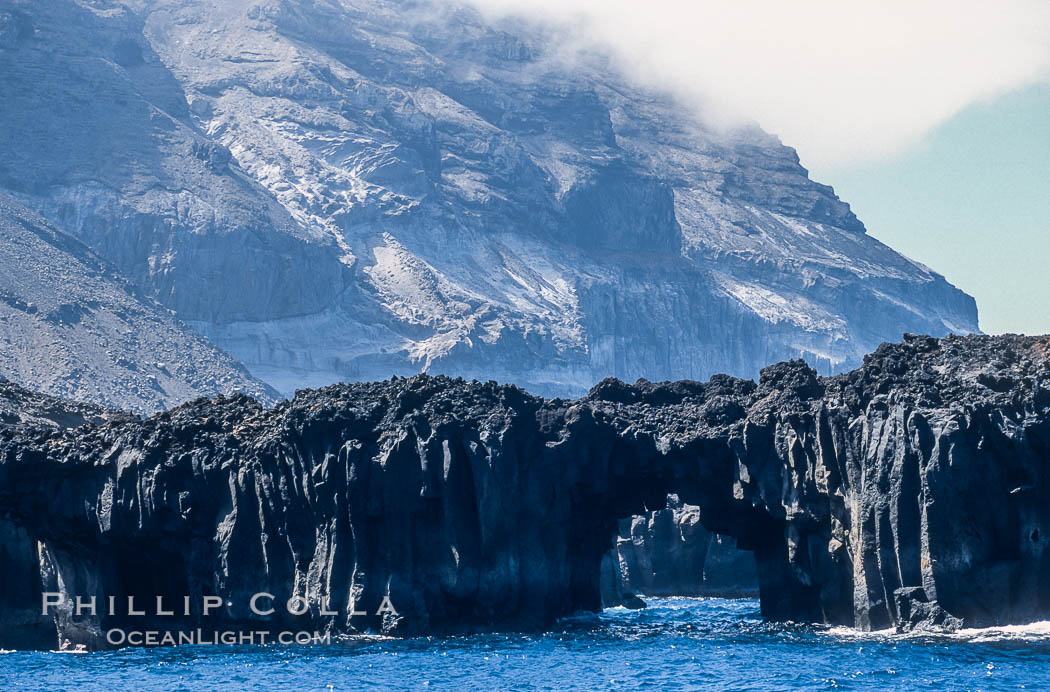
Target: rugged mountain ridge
{"type": "Point", "coordinates": [912, 490]}
{"type": "Point", "coordinates": [73, 327]}
{"type": "Point", "coordinates": [341, 191]}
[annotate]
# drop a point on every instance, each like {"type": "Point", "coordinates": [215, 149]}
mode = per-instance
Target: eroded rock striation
{"type": "Point", "coordinates": [911, 491]}
{"type": "Point", "coordinates": [22, 622]}
{"type": "Point", "coordinates": [668, 552]}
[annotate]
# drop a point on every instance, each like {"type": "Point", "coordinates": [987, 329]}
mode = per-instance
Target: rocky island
{"type": "Point", "coordinates": [912, 491]}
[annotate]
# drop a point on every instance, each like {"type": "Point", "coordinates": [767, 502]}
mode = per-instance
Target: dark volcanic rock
{"type": "Point", "coordinates": [21, 585]}
{"type": "Point", "coordinates": [22, 623]}
{"type": "Point", "coordinates": [910, 491]}
{"type": "Point", "coordinates": [668, 552]}
{"type": "Point", "coordinates": [916, 612]}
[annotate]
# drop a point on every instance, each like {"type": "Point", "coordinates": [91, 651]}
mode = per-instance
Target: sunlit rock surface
{"type": "Point", "coordinates": [71, 326]}
{"type": "Point", "coordinates": [342, 191]}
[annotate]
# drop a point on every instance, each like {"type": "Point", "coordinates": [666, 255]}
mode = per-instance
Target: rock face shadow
{"type": "Point", "coordinates": [907, 493]}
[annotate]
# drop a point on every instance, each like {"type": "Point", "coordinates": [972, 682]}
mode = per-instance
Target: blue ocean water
{"type": "Point", "coordinates": [675, 643]}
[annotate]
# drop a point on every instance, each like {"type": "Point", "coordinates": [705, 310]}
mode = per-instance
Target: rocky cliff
{"type": "Point", "coordinates": [336, 191]}
{"type": "Point", "coordinates": [912, 490]}
{"type": "Point", "coordinates": [72, 326]}
{"type": "Point", "coordinates": [21, 621]}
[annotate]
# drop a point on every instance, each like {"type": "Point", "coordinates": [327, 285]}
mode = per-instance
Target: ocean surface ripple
{"type": "Point", "coordinates": [676, 643]}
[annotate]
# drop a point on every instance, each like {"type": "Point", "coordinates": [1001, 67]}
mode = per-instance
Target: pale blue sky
{"type": "Point", "coordinates": [972, 201]}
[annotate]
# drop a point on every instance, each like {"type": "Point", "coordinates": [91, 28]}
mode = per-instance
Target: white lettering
{"type": "Point", "coordinates": [254, 604]}
{"type": "Point", "coordinates": [52, 598]}
{"type": "Point", "coordinates": [211, 603]}
{"type": "Point", "coordinates": [386, 607]}
{"type": "Point", "coordinates": [82, 605]}
{"type": "Point", "coordinates": [297, 605]}
{"type": "Point", "coordinates": [131, 607]}
{"type": "Point", "coordinates": [160, 607]}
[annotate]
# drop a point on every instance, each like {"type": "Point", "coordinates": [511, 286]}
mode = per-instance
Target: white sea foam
{"type": "Point", "coordinates": [1031, 632]}
{"type": "Point", "coordinates": [1035, 630]}
{"type": "Point", "coordinates": [843, 631]}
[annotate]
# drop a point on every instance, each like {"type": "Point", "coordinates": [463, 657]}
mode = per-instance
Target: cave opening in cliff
{"type": "Point", "coordinates": [667, 552]}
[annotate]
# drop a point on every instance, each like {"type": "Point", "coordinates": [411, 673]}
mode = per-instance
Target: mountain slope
{"type": "Point", "coordinates": [335, 190]}
{"type": "Point", "coordinates": [73, 328]}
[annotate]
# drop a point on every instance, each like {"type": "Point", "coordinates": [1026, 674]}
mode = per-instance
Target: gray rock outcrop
{"type": "Point", "coordinates": [71, 326]}
{"type": "Point", "coordinates": [668, 552]}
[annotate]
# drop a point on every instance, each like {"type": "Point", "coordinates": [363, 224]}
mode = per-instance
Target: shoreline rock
{"type": "Point", "coordinates": [474, 506]}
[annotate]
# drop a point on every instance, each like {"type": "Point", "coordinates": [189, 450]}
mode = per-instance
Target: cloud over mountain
{"type": "Point", "coordinates": [842, 82]}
